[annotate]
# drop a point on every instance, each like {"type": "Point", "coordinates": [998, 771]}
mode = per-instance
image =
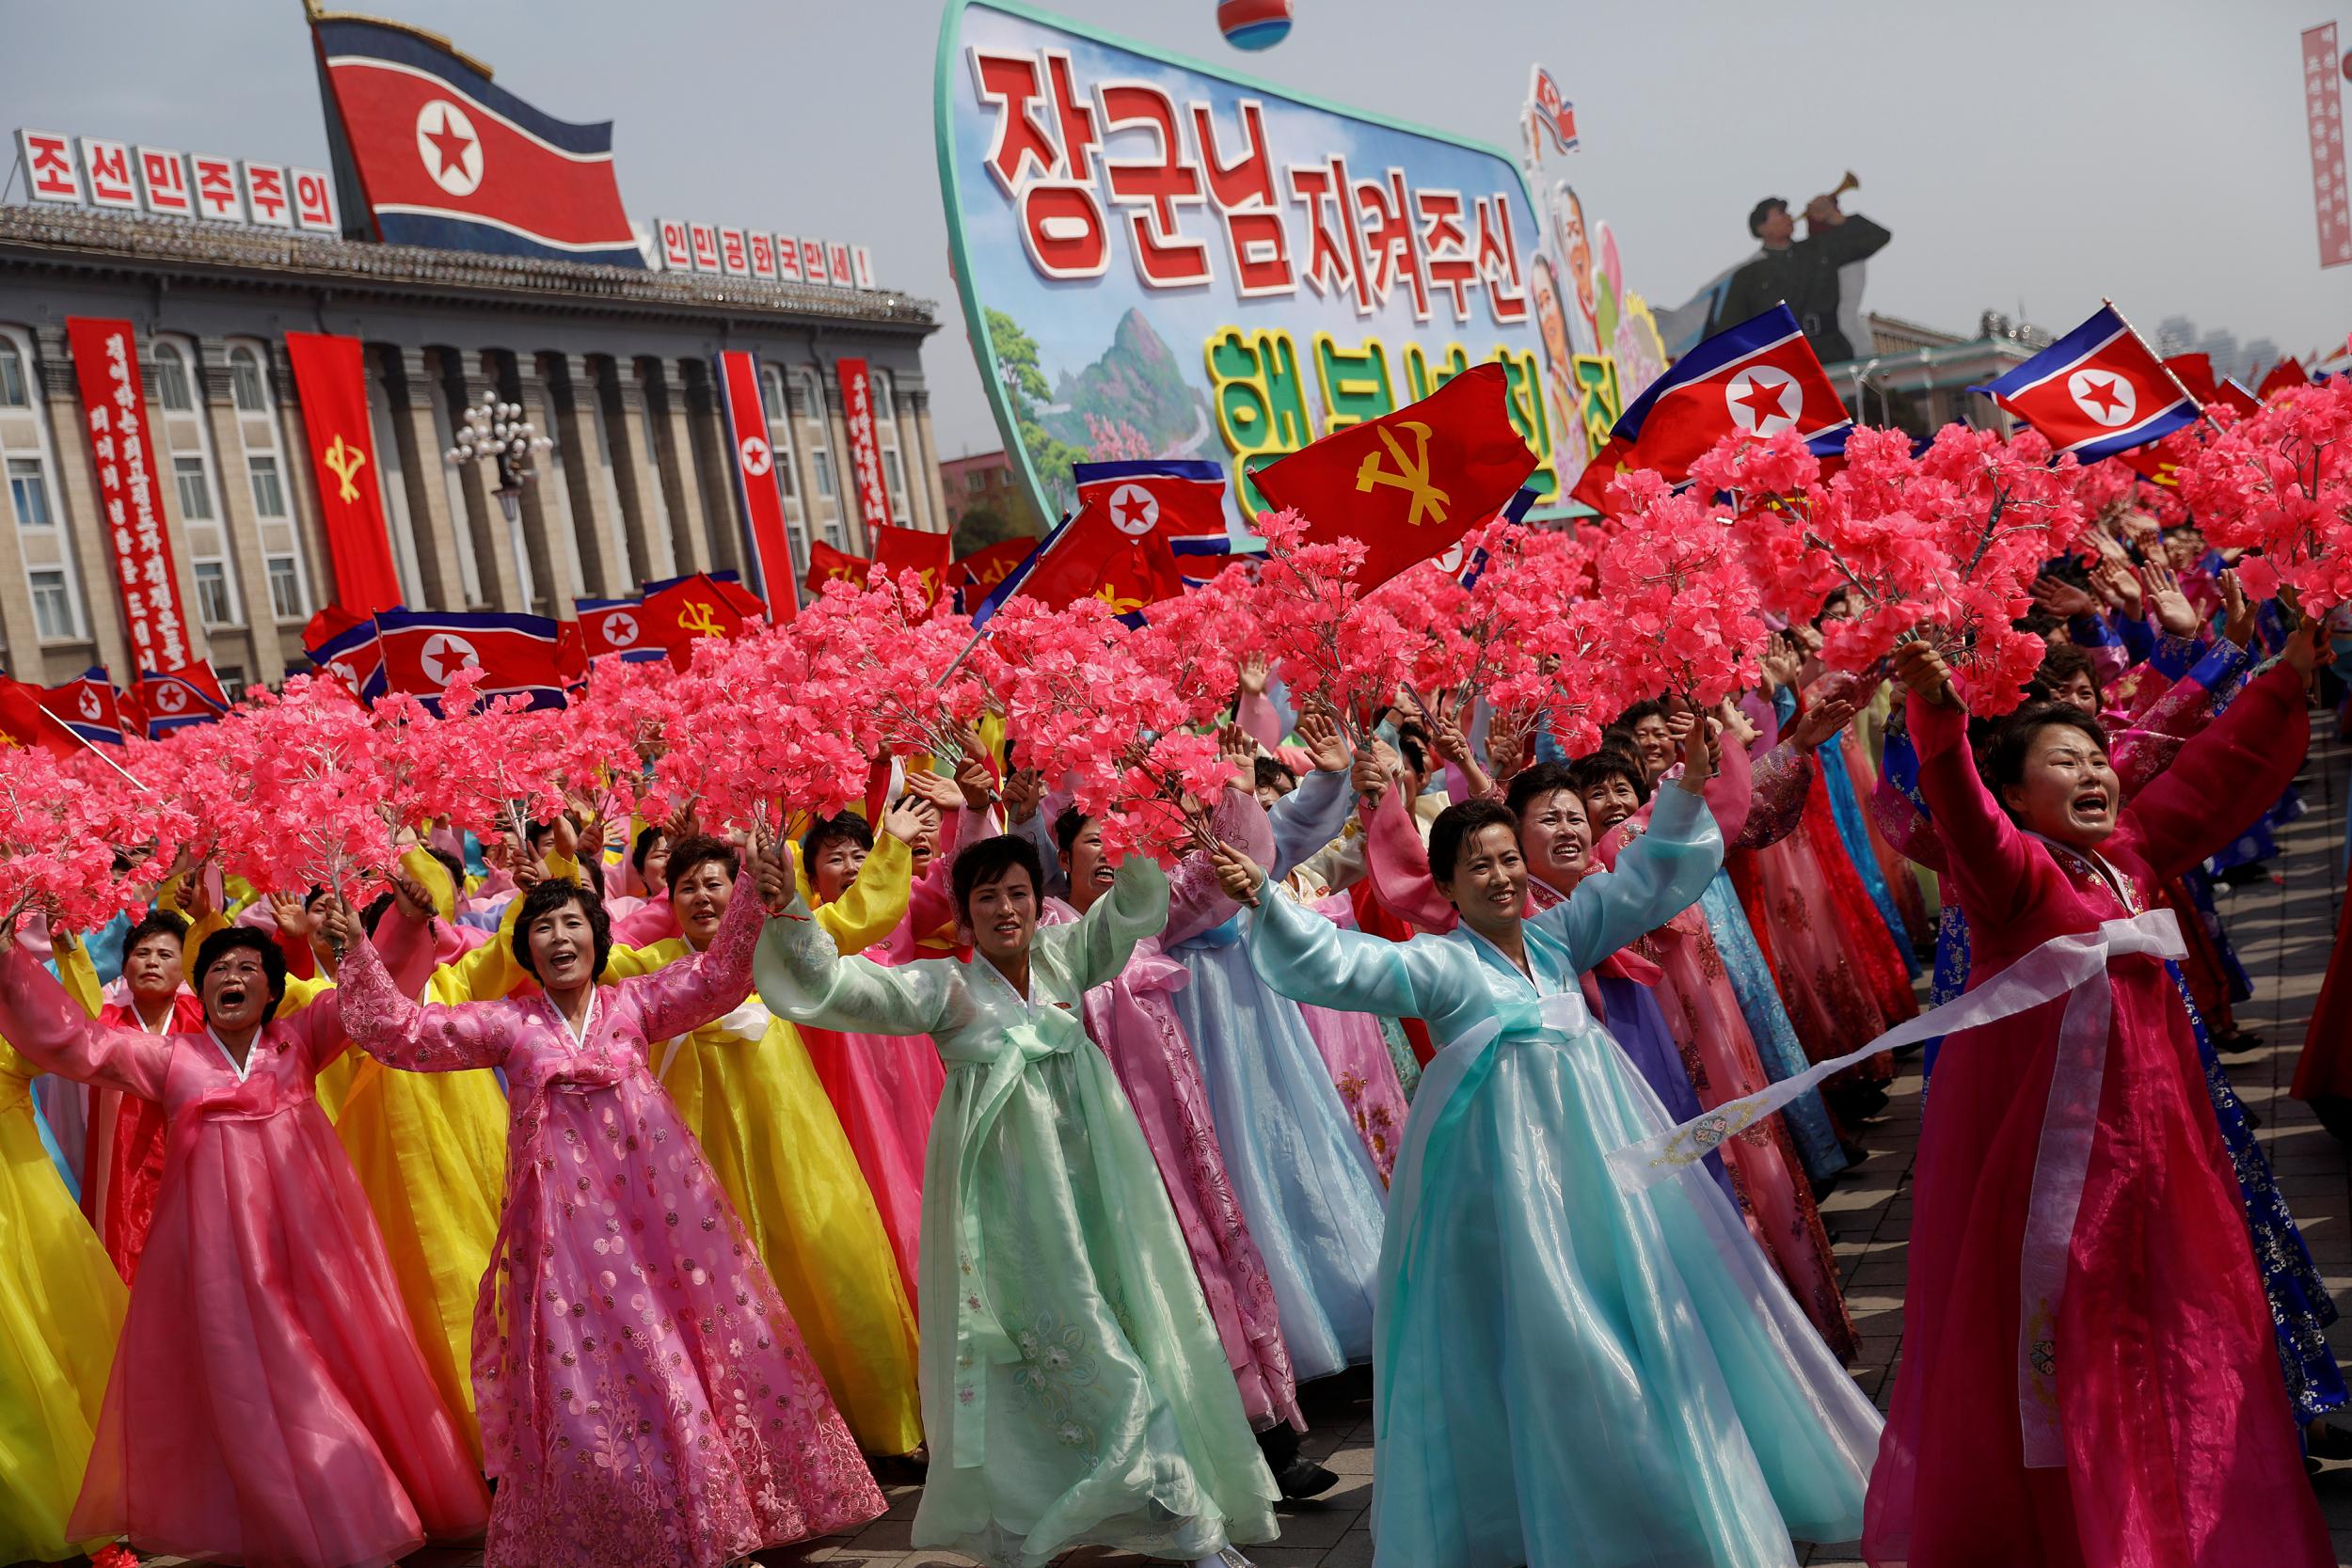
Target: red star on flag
{"type": "Point", "coordinates": [448, 146]}
{"type": "Point", "coordinates": [2102, 393]}
{"type": "Point", "coordinates": [1766, 400]}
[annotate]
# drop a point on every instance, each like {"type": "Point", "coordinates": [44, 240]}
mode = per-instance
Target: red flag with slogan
{"type": "Point", "coordinates": [25, 721]}
{"type": "Point", "coordinates": [910, 550]}
{"type": "Point", "coordinates": [516, 654]}
{"type": "Point", "coordinates": [827, 564]}
{"type": "Point", "coordinates": [1411, 483]}
{"type": "Point", "coordinates": [331, 375]}
{"type": "Point", "coordinates": [688, 609]}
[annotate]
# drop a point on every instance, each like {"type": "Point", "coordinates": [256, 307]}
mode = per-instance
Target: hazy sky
{"type": "Point", "coordinates": [2033, 153]}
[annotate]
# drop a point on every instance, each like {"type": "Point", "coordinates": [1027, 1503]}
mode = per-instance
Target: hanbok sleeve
{"type": "Point", "coordinates": [1780, 779]}
{"type": "Point", "coordinates": [871, 906]}
{"type": "Point", "coordinates": [316, 1027]}
{"type": "Point", "coordinates": [2226, 776]}
{"type": "Point", "coordinates": [1397, 862]}
{"type": "Point", "coordinates": [679, 998]}
{"type": "Point", "coordinates": [1998, 870]}
{"type": "Point", "coordinates": [49, 1029]}
{"type": "Point", "coordinates": [1309, 959]}
{"type": "Point", "coordinates": [1099, 946]}
{"type": "Point", "coordinates": [1307, 819]}
{"type": "Point", "coordinates": [1195, 900]}
{"type": "Point", "coordinates": [1656, 878]}
{"type": "Point", "coordinates": [434, 1037]}
{"type": "Point", "coordinates": [490, 971]}
{"type": "Point", "coordinates": [804, 977]}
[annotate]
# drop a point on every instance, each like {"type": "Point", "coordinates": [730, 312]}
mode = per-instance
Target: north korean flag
{"type": "Point", "coordinates": [615, 628]}
{"type": "Point", "coordinates": [89, 706]}
{"type": "Point", "coordinates": [1758, 378]}
{"type": "Point", "coordinates": [352, 654]}
{"type": "Point", "coordinates": [446, 158]}
{"type": "Point", "coordinates": [2097, 391]}
{"type": "Point", "coordinates": [1410, 483]}
{"type": "Point", "coordinates": [516, 654]}
{"type": "Point", "coordinates": [174, 699]}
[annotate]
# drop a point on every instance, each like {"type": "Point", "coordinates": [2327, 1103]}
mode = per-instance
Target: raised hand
{"type": "Point", "coordinates": [1254, 672]}
{"type": "Point", "coordinates": [1701, 750]}
{"type": "Point", "coordinates": [772, 876]}
{"type": "Point", "coordinates": [1819, 722]}
{"type": "Point", "coordinates": [339, 928]}
{"type": "Point", "coordinates": [2308, 646]}
{"type": "Point", "coordinates": [410, 895]}
{"type": "Point", "coordinates": [1319, 733]}
{"type": "Point", "coordinates": [2166, 602]}
{"type": "Point", "coordinates": [293, 919]}
{"type": "Point", "coordinates": [973, 776]}
{"type": "Point", "coordinates": [1238, 875]}
{"type": "Point", "coordinates": [2238, 612]}
{"type": "Point", "coordinates": [1023, 792]}
{"type": "Point", "coordinates": [937, 789]}
{"type": "Point", "coordinates": [2062, 598]}
{"type": "Point", "coordinates": [1370, 774]}
{"type": "Point", "coordinates": [910, 821]}
{"type": "Point", "coordinates": [2118, 585]}
{"type": "Point", "coordinates": [1924, 673]}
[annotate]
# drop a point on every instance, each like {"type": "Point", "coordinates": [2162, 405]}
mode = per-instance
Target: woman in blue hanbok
{"type": "Point", "coordinates": [1566, 1373]}
{"type": "Point", "coordinates": [1304, 1181]}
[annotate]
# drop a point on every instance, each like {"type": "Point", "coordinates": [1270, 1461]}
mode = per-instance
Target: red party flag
{"type": "Point", "coordinates": [912, 549]}
{"type": "Point", "coordinates": [826, 564]}
{"type": "Point", "coordinates": [691, 608]}
{"type": "Point", "coordinates": [23, 722]}
{"type": "Point", "coordinates": [2285, 374]}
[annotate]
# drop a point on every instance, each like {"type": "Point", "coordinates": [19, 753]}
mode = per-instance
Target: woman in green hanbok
{"type": "Point", "coordinates": [1074, 1389]}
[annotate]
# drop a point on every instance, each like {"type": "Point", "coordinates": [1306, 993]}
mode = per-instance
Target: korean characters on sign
{"type": "Point", "coordinates": [159, 181]}
{"type": "Point", "coordinates": [1195, 196]}
{"type": "Point", "coordinates": [682, 246]}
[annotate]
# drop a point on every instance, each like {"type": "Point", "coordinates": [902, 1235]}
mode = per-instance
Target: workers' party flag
{"type": "Point", "coordinates": [1411, 483]}
{"type": "Point", "coordinates": [1758, 378]}
{"type": "Point", "coordinates": [2095, 392]}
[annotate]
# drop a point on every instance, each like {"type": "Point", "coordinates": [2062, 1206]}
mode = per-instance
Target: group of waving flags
{"type": "Point", "coordinates": [1408, 485]}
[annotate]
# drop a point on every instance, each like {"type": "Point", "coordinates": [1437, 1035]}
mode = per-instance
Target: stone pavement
{"type": "Point", "coordinates": [2283, 928]}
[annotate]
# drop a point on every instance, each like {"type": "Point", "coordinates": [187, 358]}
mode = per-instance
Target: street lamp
{"type": "Point", "coordinates": [496, 432]}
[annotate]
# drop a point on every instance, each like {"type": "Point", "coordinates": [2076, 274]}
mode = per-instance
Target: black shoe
{"type": "Point", "coordinates": [2329, 1442]}
{"type": "Point", "coordinates": [2236, 1043]}
{"type": "Point", "coordinates": [900, 1470]}
{"type": "Point", "coordinates": [1305, 1479]}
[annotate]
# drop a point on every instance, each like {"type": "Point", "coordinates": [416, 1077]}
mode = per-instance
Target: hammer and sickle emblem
{"type": "Point", "coordinates": [1411, 473]}
{"type": "Point", "coordinates": [700, 619]}
{"type": "Point", "coordinates": [345, 460]}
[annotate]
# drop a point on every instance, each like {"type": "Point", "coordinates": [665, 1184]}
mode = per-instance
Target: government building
{"type": "Point", "coordinates": [614, 364]}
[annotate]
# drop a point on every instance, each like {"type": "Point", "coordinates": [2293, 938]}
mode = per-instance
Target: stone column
{"type": "Point", "coordinates": [594, 528]}
{"type": "Point", "coordinates": [714, 470]}
{"type": "Point", "coordinates": [546, 519]}
{"type": "Point", "coordinates": [79, 516]}
{"type": "Point", "coordinates": [681, 490]}
{"type": "Point", "coordinates": [465, 385]}
{"type": "Point", "coordinates": [621, 388]}
{"type": "Point", "coordinates": [407, 389]}
{"type": "Point", "coordinates": [309, 529]}
{"type": "Point", "coordinates": [238, 521]}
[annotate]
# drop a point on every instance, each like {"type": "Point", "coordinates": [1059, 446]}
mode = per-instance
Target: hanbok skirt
{"type": "Point", "coordinates": [884, 1089]}
{"type": "Point", "coordinates": [1306, 1181]}
{"type": "Point", "coordinates": [1570, 1374]}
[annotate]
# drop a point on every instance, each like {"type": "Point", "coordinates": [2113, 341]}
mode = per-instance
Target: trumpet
{"type": "Point", "coordinates": [1851, 183]}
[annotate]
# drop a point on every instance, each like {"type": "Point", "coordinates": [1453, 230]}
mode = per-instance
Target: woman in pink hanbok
{"type": "Point", "coordinates": [644, 1396]}
{"type": "Point", "coordinates": [269, 1403]}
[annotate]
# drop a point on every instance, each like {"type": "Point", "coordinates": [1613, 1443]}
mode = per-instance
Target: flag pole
{"type": "Point", "coordinates": [91, 747]}
{"type": "Point", "coordinates": [2169, 373]}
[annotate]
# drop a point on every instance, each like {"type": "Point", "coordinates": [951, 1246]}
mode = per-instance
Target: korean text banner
{"type": "Point", "coordinates": [106, 362]}
{"type": "Point", "coordinates": [1160, 260]}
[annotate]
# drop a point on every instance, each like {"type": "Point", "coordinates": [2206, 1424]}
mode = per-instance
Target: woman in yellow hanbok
{"type": "Point", "coordinates": [60, 1310]}
{"type": "Point", "coordinates": [745, 1086]}
{"type": "Point", "coordinates": [429, 1151]}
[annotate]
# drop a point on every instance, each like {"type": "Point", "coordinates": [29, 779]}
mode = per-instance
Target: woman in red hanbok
{"type": "Point", "coordinates": [269, 1403]}
{"type": "Point", "coordinates": [2132, 1415]}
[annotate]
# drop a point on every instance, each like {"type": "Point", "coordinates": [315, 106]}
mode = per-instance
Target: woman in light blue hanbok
{"type": "Point", "coordinates": [1566, 1373]}
{"type": "Point", "coordinates": [1304, 1181]}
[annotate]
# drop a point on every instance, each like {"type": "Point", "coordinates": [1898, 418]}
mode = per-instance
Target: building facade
{"type": "Point", "coordinates": [984, 481]}
{"type": "Point", "coordinates": [614, 365]}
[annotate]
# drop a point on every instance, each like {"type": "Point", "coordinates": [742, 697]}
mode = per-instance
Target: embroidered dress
{"type": "Point", "coordinates": [265, 1346]}
{"type": "Point", "coordinates": [645, 1400]}
{"type": "Point", "coordinates": [60, 1309]}
{"type": "Point", "coordinates": [2171, 1428]}
{"type": "Point", "coordinates": [1074, 1390]}
{"type": "Point", "coordinates": [1569, 1374]}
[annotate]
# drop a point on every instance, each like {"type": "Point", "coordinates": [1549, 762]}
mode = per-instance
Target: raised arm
{"type": "Point", "coordinates": [49, 1029]}
{"type": "Point", "coordinates": [1657, 876]}
{"type": "Point", "coordinates": [1195, 900]}
{"type": "Point", "coordinates": [871, 906]}
{"type": "Point", "coordinates": [2226, 775]}
{"type": "Point", "coordinates": [1397, 864]}
{"type": "Point", "coordinates": [1099, 946]}
{"type": "Point", "coordinates": [1998, 870]}
{"type": "Point", "coordinates": [1308, 819]}
{"type": "Point", "coordinates": [1307, 958]}
{"type": "Point", "coordinates": [419, 1037]}
{"type": "Point", "coordinates": [679, 998]}
{"type": "Point", "coordinates": [1780, 780]}
{"type": "Point", "coordinates": [803, 976]}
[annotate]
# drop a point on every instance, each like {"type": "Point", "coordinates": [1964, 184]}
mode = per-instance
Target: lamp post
{"type": "Point", "coordinates": [495, 432]}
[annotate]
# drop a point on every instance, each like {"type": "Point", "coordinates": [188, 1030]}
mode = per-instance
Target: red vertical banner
{"type": "Point", "coordinates": [330, 373]}
{"type": "Point", "coordinates": [2323, 108]}
{"type": "Point", "coordinates": [106, 363]}
{"type": "Point", "coordinates": [756, 480]}
{"type": "Point", "coordinates": [857, 410]}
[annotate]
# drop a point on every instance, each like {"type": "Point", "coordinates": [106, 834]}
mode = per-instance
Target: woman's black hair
{"type": "Point", "coordinates": [1608, 763]}
{"type": "Point", "coordinates": [1542, 779]}
{"type": "Point", "coordinates": [549, 895]}
{"type": "Point", "coordinates": [643, 849]}
{"type": "Point", "coordinates": [155, 923]}
{"type": "Point", "coordinates": [2061, 664]}
{"type": "Point", "coordinates": [1272, 773]}
{"type": "Point", "coordinates": [1068, 826]}
{"type": "Point", "coordinates": [229, 940]}
{"type": "Point", "coordinates": [848, 828]}
{"type": "Point", "coordinates": [700, 849]}
{"type": "Point", "coordinates": [1652, 708]}
{"type": "Point", "coordinates": [1456, 826]}
{"type": "Point", "coordinates": [991, 858]}
{"type": "Point", "coordinates": [373, 913]}
{"type": "Point", "coordinates": [2004, 761]}
{"type": "Point", "coordinates": [1413, 744]}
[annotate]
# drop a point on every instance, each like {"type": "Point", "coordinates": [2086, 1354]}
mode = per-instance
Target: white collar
{"type": "Point", "coordinates": [587, 1025]}
{"type": "Point", "coordinates": [242, 1069]}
